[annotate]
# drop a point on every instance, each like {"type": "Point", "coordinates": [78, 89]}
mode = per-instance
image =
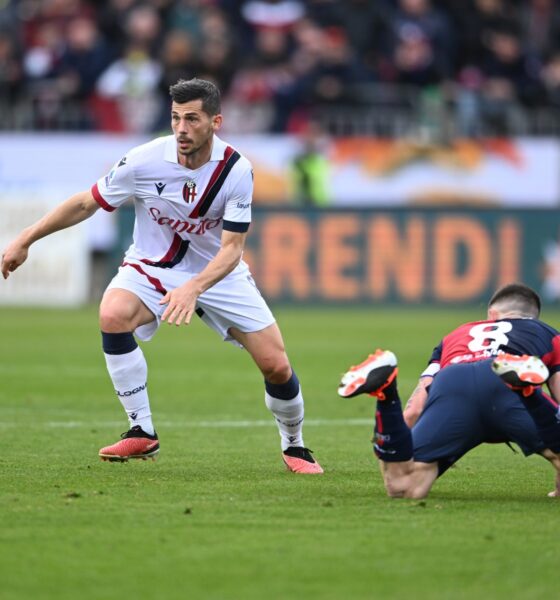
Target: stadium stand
{"type": "Point", "coordinates": [484, 67]}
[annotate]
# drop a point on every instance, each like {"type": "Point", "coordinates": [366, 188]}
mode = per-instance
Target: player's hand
{"type": "Point", "coordinates": [181, 304]}
{"type": "Point", "coordinates": [13, 257]}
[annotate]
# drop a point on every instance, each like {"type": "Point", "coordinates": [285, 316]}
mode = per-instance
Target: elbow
{"type": "Point", "coordinates": [410, 417]}
{"type": "Point", "coordinates": [235, 258]}
{"type": "Point", "coordinates": [87, 204]}
{"type": "Point", "coordinates": [232, 264]}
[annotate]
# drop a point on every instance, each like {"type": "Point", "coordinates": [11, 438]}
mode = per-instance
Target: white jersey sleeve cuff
{"type": "Point", "coordinates": [431, 370]}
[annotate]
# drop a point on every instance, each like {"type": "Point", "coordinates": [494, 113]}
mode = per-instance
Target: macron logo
{"type": "Point", "coordinates": [160, 187]}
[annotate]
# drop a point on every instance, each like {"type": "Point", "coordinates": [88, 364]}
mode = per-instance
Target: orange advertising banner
{"type": "Point", "coordinates": [405, 256]}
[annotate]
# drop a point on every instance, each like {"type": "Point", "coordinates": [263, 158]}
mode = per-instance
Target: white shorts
{"type": "Point", "coordinates": [232, 302]}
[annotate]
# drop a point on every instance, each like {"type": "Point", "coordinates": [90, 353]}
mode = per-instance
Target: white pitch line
{"type": "Point", "coordinates": [188, 424]}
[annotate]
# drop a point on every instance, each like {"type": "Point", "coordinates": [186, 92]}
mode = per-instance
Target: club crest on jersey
{"type": "Point", "coordinates": [189, 191]}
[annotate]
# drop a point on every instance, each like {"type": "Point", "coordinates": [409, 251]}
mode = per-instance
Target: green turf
{"type": "Point", "coordinates": [217, 516]}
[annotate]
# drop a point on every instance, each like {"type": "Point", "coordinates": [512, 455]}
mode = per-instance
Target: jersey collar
{"type": "Point", "coordinates": [218, 150]}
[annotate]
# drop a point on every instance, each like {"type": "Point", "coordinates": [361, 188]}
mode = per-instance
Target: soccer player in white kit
{"type": "Point", "coordinates": [192, 194]}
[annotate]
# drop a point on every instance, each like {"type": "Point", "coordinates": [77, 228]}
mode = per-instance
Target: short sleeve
{"type": "Point", "coordinates": [237, 214]}
{"type": "Point", "coordinates": [436, 354]}
{"type": "Point", "coordinates": [116, 187]}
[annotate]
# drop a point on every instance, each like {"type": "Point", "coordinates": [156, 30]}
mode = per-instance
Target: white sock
{"type": "Point", "coordinates": [289, 418]}
{"type": "Point", "coordinates": [129, 373]}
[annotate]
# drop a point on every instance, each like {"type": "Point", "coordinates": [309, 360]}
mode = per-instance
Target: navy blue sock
{"type": "Point", "coordinates": [283, 391]}
{"type": "Point", "coordinates": [118, 343]}
{"type": "Point", "coordinates": [392, 438]}
{"type": "Point", "coordinates": [546, 417]}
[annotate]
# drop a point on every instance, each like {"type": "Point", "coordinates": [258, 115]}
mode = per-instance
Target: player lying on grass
{"type": "Point", "coordinates": [192, 194]}
{"type": "Point", "coordinates": [466, 401]}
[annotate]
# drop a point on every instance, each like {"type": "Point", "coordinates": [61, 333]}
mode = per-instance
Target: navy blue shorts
{"type": "Point", "coordinates": [469, 405]}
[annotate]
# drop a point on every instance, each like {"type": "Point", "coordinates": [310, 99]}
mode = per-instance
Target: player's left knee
{"type": "Point", "coordinates": [277, 372]}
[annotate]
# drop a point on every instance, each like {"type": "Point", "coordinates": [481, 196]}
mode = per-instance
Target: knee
{"type": "Point", "coordinates": [277, 370]}
{"type": "Point", "coordinates": [399, 491]}
{"type": "Point", "coordinates": [114, 319]}
{"type": "Point", "coordinates": [394, 488]}
{"type": "Point", "coordinates": [417, 493]}
{"type": "Point", "coordinates": [414, 486]}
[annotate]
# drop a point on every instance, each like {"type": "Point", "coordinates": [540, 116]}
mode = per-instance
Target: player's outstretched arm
{"type": "Point", "coordinates": [76, 209]}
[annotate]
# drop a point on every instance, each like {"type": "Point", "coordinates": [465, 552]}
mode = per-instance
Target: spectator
{"type": "Point", "coordinates": [82, 61]}
{"type": "Point", "coordinates": [178, 60]}
{"type": "Point", "coordinates": [323, 73]}
{"type": "Point", "coordinates": [132, 80]}
{"type": "Point", "coordinates": [310, 169]}
{"type": "Point", "coordinates": [112, 20]}
{"type": "Point", "coordinates": [337, 70]}
{"type": "Point", "coordinates": [278, 61]}
{"type": "Point", "coordinates": [540, 22]}
{"type": "Point", "coordinates": [185, 15]}
{"type": "Point", "coordinates": [40, 63]}
{"type": "Point", "coordinates": [218, 52]}
{"type": "Point", "coordinates": [365, 24]}
{"type": "Point", "coordinates": [415, 59]}
{"type": "Point", "coordinates": [43, 55]}
{"type": "Point", "coordinates": [11, 72]}
{"type": "Point", "coordinates": [272, 13]}
{"type": "Point", "coordinates": [476, 20]}
{"type": "Point", "coordinates": [551, 80]}
{"type": "Point", "coordinates": [56, 13]}
{"type": "Point", "coordinates": [506, 67]}
{"type": "Point", "coordinates": [265, 78]}
{"type": "Point", "coordinates": [420, 33]}
{"type": "Point", "coordinates": [508, 80]}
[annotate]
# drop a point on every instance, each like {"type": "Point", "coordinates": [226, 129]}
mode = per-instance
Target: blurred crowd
{"type": "Point", "coordinates": [107, 64]}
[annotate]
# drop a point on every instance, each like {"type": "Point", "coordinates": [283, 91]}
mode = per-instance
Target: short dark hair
{"type": "Point", "coordinates": [186, 90]}
{"type": "Point", "coordinates": [519, 298]}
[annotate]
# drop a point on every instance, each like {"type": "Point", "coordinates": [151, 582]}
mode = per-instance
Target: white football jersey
{"type": "Point", "coordinates": [180, 213]}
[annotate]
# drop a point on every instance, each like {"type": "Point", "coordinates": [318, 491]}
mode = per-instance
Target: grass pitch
{"type": "Point", "coordinates": [218, 516]}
